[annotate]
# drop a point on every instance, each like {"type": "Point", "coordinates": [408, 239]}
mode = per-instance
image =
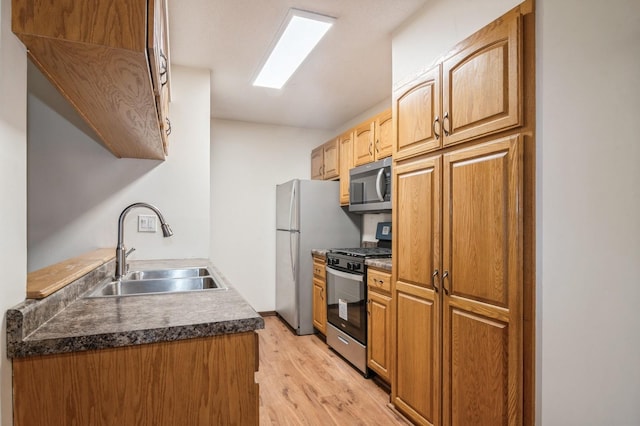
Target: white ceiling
{"type": "Point", "coordinates": [348, 72]}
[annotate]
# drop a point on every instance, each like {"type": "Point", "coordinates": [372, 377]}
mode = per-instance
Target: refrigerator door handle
{"type": "Point", "coordinates": [292, 239]}
{"type": "Point", "coordinates": [293, 198]}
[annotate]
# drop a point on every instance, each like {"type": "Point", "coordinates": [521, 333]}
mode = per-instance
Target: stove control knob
{"type": "Point", "coordinates": [356, 266]}
{"type": "Point", "coordinates": [350, 266]}
{"type": "Point", "coordinates": [334, 261]}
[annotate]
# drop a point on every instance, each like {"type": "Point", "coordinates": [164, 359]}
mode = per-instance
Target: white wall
{"type": "Point", "coordinates": [248, 160]}
{"type": "Point", "coordinates": [588, 106]}
{"type": "Point", "coordinates": [13, 189]}
{"type": "Point", "coordinates": [77, 189]}
{"type": "Point", "coordinates": [422, 40]}
{"type": "Point", "coordinates": [588, 196]}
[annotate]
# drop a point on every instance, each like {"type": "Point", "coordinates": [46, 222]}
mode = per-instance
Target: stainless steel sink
{"type": "Point", "coordinates": [159, 281]}
{"type": "Point", "coordinates": [168, 273]}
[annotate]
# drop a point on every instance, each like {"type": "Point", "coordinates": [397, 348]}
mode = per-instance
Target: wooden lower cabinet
{"type": "Point", "coordinates": [379, 326]}
{"type": "Point", "coordinates": [204, 381]}
{"type": "Point", "coordinates": [458, 272]}
{"type": "Point", "coordinates": [319, 294]}
{"type": "Point", "coordinates": [416, 389]}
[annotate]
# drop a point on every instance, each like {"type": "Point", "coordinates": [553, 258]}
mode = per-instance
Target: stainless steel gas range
{"type": "Point", "coordinates": [347, 302]}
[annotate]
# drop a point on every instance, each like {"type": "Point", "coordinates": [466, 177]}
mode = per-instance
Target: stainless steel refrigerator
{"type": "Point", "coordinates": [308, 216]}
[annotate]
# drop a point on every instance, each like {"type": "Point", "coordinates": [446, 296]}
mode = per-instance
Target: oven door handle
{"type": "Point", "coordinates": [345, 275]}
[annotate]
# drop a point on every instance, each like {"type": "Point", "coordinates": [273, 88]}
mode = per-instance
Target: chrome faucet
{"type": "Point", "coordinates": [121, 251]}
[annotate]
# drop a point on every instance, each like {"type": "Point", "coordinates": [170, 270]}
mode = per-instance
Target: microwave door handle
{"type": "Point", "coordinates": [379, 184]}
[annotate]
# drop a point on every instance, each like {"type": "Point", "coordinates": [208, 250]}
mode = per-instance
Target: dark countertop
{"type": "Point", "coordinates": [320, 252]}
{"type": "Point", "coordinates": [67, 322]}
{"type": "Point", "coordinates": [384, 264]}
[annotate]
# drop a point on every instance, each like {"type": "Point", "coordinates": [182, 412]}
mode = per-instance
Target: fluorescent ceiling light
{"type": "Point", "coordinates": [299, 34]}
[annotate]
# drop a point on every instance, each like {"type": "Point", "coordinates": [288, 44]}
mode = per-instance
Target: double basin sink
{"type": "Point", "coordinates": [159, 281]}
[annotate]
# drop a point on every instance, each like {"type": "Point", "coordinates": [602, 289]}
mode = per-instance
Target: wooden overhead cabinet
{"type": "Point", "coordinates": [110, 60]}
{"type": "Point", "coordinates": [373, 139]}
{"type": "Point", "coordinates": [346, 163]}
{"type": "Point", "coordinates": [325, 161]}
{"type": "Point", "coordinates": [477, 91]}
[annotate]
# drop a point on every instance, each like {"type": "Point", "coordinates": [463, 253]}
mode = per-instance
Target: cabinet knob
{"type": "Point", "coordinates": [434, 281]}
{"type": "Point", "coordinates": [436, 134]}
{"type": "Point", "coordinates": [445, 274]}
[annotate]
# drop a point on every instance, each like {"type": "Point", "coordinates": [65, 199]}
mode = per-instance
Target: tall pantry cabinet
{"type": "Point", "coordinates": [463, 224]}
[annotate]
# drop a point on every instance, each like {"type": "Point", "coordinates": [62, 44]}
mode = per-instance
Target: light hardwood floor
{"type": "Point", "coordinates": [302, 382]}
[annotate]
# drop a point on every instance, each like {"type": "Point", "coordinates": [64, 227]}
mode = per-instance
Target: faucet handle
{"type": "Point", "coordinates": [131, 250]}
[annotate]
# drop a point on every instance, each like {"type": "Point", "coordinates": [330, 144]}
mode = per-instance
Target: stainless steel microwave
{"type": "Point", "coordinates": [370, 187]}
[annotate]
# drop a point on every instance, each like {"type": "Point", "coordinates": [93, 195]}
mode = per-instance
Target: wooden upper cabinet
{"type": "Point", "coordinates": [325, 161]}
{"type": "Point", "coordinates": [363, 140]}
{"type": "Point", "coordinates": [317, 162]}
{"type": "Point", "coordinates": [476, 91]}
{"type": "Point", "coordinates": [482, 280]}
{"type": "Point", "coordinates": [372, 139]}
{"type": "Point", "coordinates": [482, 82]}
{"type": "Point", "coordinates": [383, 135]}
{"type": "Point", "coordinates": [416, 115]}
{"type": "Point", "coordinates": [331, 151]}
{"type": "Point", "coordinates": [346, 163]}
{"type": "Point", "coordinates": [97, 54]}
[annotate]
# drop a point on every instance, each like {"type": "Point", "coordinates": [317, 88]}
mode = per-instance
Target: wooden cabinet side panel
{"type": "Point", "coordinates": [195, 381]}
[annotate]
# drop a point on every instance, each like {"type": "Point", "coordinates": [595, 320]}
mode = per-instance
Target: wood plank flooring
{"type": "Point", "coordinates": [302, 382]}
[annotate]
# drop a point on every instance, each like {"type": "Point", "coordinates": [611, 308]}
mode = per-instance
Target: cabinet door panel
{"type": "Point", "coordinates": [379, 350]}
{"type": "Point", "coordinates": [319, 305]}
{"type": "Point", "coordinates": [363, 143]}
{"type": "Point", "coordinates": [478, 384]}
{"type": "Point", "coordinates": [317, 162]}
{"type": "Point", "coordinates": [482, 253]}
{"type": "Point", "coordinates": [417, 223]}
{"type": "Point", "coordinates": [482, 217]}
{"type": "Point", "coordinates": [416, 217]}
{"type": "Point", "coordinates": [331, 168]}
{"type": "Point", "coordinates": [346, 163]}
{"type": "Point", "coordinates": [416, 108]}
{"type": "Point", "coordinates": [384, 135]}
{"type": "Point", "coordinates": [416, 389]}
{"type": "Point", "coordinates": [482, 84]}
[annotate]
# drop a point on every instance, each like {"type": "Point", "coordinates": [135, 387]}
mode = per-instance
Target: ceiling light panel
{"type": "Point", "coordinates": [298, 36]}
